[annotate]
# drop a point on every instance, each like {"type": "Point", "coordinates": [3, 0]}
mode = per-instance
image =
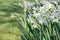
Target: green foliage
{"type": "Point", "coordinates": [40, 23]}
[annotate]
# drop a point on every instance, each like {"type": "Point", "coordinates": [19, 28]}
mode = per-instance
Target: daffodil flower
{"type": "Point", "coordinates": [13, 16]}
{"type": "Point", "coordinates": [55, 20]}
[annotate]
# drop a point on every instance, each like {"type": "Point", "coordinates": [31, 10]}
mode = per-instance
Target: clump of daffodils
{"type": "Point", "coordinates": [41, 12]}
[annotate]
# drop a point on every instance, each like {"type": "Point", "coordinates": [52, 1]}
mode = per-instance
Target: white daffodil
{"type": "Point", "coordinates": [37, 15]}
{"type": "Point", "coordinates": [52, 17]}
{"type": "Point", "coordinates": [55, 2]}
{"type": "Point", "coordinates": [34, 26]}
{"type": "Point", "coordinates": [55, 20]}
{"type": "Point", "coordinates": [41, 21]}
{"type": "Point", "coordinates": [50, 6]}
{"type": "Point", "coordinates": [31, 20]}
{"type": "Point", "coordinates": [33, 8]}
{"type": "Point", "coordinates": [34, 12]}
{"type": "Point", "coordinates": [13, 16]}
{"type": "Point", "coordinates": [27, 4]}
{"type": "Point", "coordinates": [41, 8]}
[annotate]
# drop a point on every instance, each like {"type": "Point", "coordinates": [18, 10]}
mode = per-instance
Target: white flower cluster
{"type": "Point", "coordinates": [27, 4]}
{"type": "Point", "coordinates": [42, 12]}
